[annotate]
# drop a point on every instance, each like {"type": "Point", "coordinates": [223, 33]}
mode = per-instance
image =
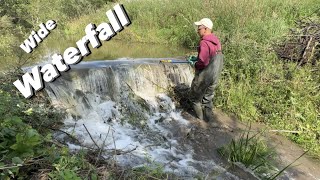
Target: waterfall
{"type": "Point", "coordinates": [124, 105]}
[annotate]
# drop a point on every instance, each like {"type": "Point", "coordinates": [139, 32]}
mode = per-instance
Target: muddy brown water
{"type": "Point", "coordinates": [208, 137]}
{"type": "Point", "coordinates": [114, 49]}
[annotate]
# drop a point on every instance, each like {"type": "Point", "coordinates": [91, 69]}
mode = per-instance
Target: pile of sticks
{"type": "Point", "coordinates": [302, 45]}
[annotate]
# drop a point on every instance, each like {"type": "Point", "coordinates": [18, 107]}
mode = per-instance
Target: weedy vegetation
{"type": "Point", "coordinates": [256, 85]}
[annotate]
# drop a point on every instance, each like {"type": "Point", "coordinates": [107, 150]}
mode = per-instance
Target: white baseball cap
{"type": "Point", "coordinates": [205, 22]}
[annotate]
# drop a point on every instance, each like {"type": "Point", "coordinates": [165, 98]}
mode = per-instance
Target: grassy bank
{"type": "Point", "coordinates": [255, 86]}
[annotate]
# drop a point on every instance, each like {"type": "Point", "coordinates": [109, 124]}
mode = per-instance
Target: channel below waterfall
{"type": "Point", "coordinates": [125, 106]}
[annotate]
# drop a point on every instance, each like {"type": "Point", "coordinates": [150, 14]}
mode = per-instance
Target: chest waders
{"type": "Point", "coordinates": [203, 85]}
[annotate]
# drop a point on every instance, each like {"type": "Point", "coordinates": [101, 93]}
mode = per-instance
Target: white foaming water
{"type": "Point", "coordinates": [139, 146]}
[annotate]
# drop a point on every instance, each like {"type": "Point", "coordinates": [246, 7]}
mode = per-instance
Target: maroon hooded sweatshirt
{"type": "Point", "coordinates": [209, 45]}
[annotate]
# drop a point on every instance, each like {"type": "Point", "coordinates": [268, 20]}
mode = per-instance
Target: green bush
{"type": "Point", "coordinates": [19, 143]}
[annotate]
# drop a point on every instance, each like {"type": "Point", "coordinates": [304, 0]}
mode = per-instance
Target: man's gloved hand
{"type": "Point", "coordinates": [192, 60]}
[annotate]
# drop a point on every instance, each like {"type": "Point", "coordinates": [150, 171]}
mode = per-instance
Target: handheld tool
{"type": "Point", "coordinates": [172, 61]}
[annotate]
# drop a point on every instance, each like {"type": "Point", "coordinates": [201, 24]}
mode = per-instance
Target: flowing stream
{"type": "Point", "coordinates": [125, 106]}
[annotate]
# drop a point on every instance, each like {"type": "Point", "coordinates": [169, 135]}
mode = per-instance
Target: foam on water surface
{"type": "Point", "coordinates": [126, 109]}
{"type": "Point", "coordinates": [150, 144]}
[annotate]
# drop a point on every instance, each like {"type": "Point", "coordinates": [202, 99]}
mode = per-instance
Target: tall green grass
{"type": "Point", "coordinates": [255, 85]}
{"type": "Point", "coordinates": [251, 150]}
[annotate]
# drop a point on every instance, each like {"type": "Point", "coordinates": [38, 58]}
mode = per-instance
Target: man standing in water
{"type": "Point", "coordinates": [208, 66]}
